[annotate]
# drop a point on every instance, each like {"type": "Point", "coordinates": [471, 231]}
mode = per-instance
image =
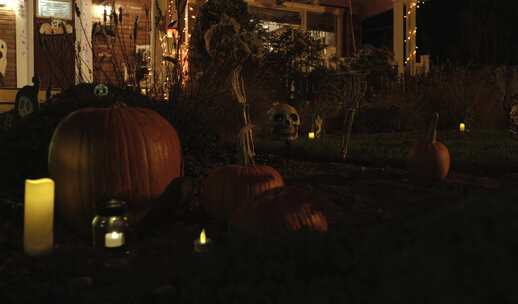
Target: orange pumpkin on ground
{"type": "Point", "coordinates": [278, 211]}
{"type": "Point", "coordinates": [227, 188]}
{"type": "Point", "coordinates": [429, 160]}
{"type": "Point", "coordinates": [97, 154]}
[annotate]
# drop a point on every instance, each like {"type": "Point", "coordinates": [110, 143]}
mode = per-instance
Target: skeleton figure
{"type": "Point", "coordinates": [3, 57]}
{"type": "Point", "coordinates": [285, 121]}
{"type": "Point", "coordinates": [316, 126]}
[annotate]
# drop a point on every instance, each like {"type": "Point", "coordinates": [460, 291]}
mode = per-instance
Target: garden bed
{"type": "Point", "coordinates": [376, 216]}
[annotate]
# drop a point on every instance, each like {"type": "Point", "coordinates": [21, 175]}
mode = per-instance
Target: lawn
{"type": "Point", "coordinates": [388, 240]}
{"type": "Point", "coordinates": [481, 152]}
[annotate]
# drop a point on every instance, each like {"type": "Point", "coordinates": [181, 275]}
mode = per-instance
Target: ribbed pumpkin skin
{"type": "Point", "coordinates": [279, 211]}
{"type": "Point", "coordinates": [227, 188]}
{"type": "Point", "coordinates": [429, 162]}
{"type": "Point", "coordinates": [101, 153]}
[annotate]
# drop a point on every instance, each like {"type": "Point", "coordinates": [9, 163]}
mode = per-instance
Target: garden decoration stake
{"type": "Point", "coordinates": [246, 140]}
{"type": "Point", "coordinates": [317, 126]}
{"type": "Point", "coordinates": [355, 90]}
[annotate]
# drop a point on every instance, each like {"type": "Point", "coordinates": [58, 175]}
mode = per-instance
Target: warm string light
{"type": "Point", "coordinates": [411, 34]}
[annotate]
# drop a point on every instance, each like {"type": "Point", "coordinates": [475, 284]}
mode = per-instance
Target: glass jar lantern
{"type": "Point", "coordinates": [110, 227]}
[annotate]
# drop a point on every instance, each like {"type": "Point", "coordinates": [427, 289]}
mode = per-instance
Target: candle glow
{"type": "Point", "coordinates": [311, 135]}
{"type": "Point", "coordinates": [462, 127]}
{"type": "Point", "coordinates": [201, 244]}
{"type": "Point", "coordinates": [114, 239]}
{"type": "Point", "coordinates": [203, 237]}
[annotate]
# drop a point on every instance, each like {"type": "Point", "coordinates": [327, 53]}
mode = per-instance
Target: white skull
{"type": "Point", "coordinates": [3, 57]}
{"type": "Point", "coordinates": [285, 121]}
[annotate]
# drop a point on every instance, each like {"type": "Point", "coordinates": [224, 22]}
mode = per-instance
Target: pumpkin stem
{"type": "Point", "coordinates": [431, 134]}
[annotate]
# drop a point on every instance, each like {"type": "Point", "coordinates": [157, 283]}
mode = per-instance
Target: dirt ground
{"type": "Point", "coordinates": [356, 198]}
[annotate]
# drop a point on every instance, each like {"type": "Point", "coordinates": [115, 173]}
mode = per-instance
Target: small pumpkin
{"type": "Point", "coordinates": [97, 154]}
{"type": "Point", "coordinates": [278, 211]}
{"type": "Point", "coordinates": [429, 159]}
{"type": "Point", "coordinates": [225, 189]}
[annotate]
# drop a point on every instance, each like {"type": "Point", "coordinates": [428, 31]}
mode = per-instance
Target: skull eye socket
{"type": "Point", "coordinates": [278, 117]}
{"type": "Point", "coordinates": [294, 117]}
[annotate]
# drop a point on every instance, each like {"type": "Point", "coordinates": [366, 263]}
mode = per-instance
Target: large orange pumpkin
{"type": "Point", "coordinates": [97, 154]}
{"type": "Point", "coordinates": [279, 211]}
{"type": "Point", "coordinates": [226, 188]}
{"type": "Point", "coordinates": [429, 160]}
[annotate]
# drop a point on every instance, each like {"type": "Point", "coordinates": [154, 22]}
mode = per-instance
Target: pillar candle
{"type": "Point", "coordinates": [38, 224]}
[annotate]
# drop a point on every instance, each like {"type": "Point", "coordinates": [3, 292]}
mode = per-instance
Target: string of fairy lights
{"type": "Point", "coordinates": [175, 47]}
{"type": "Point", "coordinates": [411, 30]}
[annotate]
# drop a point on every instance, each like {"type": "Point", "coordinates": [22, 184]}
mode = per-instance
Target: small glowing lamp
{"type": "Point", "coordinates": [110, 227]}
{"type": "Point", "coordinates": [311, 135]}
{"type": "Point", "coordinates": [201, 245]}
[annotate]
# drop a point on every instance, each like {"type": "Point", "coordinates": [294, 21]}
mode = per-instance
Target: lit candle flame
{"type": "Point", "coordinates": [462, 127]}
{"type": "Point", "coordinates": [203, 237]}
{"type": "Point", "coordinates": [311, 135]}
{"type": "Point", "coordinates": [115, 235]}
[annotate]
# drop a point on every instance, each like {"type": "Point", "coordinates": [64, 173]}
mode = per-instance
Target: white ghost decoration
{"type": "Point", "coordinates": [3, 57]}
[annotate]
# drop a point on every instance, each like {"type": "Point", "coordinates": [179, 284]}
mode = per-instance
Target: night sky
{"type": "Point", "coordinates": [464, 31]}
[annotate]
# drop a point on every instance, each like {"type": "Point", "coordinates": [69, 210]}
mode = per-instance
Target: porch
{"type": "Point", "coordinates": [22, 22]}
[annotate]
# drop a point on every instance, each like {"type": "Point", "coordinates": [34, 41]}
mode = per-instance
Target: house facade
{"type": "Point", "coordinates": [63, 44]}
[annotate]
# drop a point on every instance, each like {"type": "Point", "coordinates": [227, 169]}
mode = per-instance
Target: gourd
{"type": "Point", "coordinates": [227, 188]}
{"type": "Point", "coordinates": [97, 154]}
{"type": "Point", "coordinates": [279, 211]}
{"type": "Point", "coordinates": [429, 159]}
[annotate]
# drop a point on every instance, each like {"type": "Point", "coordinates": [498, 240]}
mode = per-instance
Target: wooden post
{"type": "Point", "coordinates": [398, 37]}
{"type": "Point", "coordinates": [84, 58]}
{"type": "Point", "coordinates": [24, 42]}
{"type": "Point", "coordinates": [411, 35]}
{"type": "Point", "coordinates": [351, 24]}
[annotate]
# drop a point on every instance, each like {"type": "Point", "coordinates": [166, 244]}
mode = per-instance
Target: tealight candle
{"type": "Point", "coordinates": [38, 221]}
{"type": "Point", "coordinates": [201, 244]}
{"type": "Point", "coordinates": [311, 135]}
{"type": "Point", "coordinates": [462, 127]}
{"type": "Point", "coordinates": [113, 239]}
